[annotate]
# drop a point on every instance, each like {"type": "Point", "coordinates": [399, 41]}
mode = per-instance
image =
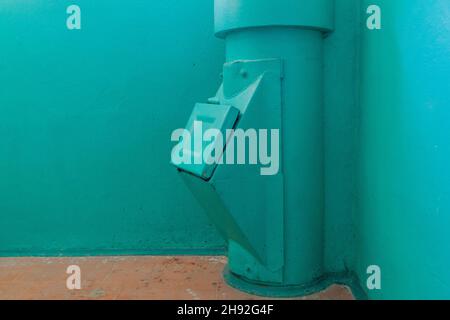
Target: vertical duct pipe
{"type": "Point", "coordinates": [302, 141]}
{"type": "Point", "coordinates": [273, 78]}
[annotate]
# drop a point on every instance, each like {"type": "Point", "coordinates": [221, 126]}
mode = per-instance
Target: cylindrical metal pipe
{"type": "Point", "coordinates": [290, 30]}
{"type": "Point", "coordinates": [302, 141]}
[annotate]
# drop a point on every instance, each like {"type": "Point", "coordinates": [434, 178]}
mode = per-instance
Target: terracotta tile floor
{"type": "Point", "coordinates": [134, 278]}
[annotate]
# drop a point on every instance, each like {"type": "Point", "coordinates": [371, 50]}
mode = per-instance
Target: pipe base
{"type": "Point", "coordinates": [265, 290]}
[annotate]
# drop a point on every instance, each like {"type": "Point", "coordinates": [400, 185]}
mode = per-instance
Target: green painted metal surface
{"type": "Point", "coordinates": [268, 221]}
{"type": "Point", "coordinates": [239, 14]}
{"type": "Point", "coordinates": [341, 120]}
{"type": "Point", "coordinates": [206, 117]}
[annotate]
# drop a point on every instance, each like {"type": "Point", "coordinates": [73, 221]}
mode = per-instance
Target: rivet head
{"type": "Point", "coordinates": [244, 73]}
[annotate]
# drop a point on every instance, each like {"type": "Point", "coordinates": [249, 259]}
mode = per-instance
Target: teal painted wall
{"type": "Point", "coordinates": [85, 124]}
{"type": "Point", "coordinates": [87, 115]}
{"type": "Point", "coordinates": [404, 175]}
